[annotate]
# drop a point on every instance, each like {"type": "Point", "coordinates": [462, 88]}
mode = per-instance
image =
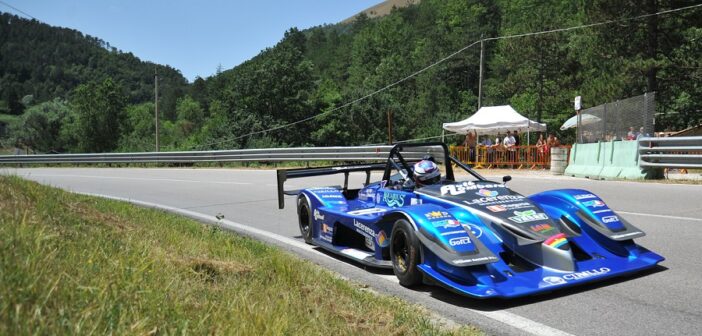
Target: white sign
{"type": "Point", "coordinates": [578, 103]}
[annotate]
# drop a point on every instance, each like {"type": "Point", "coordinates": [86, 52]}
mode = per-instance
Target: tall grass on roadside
{"type": "Point", "coordinates": [74, 264]}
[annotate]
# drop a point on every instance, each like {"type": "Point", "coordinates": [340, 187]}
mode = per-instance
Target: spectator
{"type": "Point", "coordinates": [516, 138]}
{"type": "Point", "coordinates": [509, 142]}
{"type": "Point", "coordinates": [540, 147]}
{"type": "Point", "coordinates": [470, 142]}
{"type": "Point", "coordinates": [631, 135]}
{"type": "Point", "coordinates": [641, 133]}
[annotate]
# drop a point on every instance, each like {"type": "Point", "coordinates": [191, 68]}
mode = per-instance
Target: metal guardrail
{"type": "Point", "coordinates": [358, 153]}
{"type": "Point", "coordinates": [671, 152]}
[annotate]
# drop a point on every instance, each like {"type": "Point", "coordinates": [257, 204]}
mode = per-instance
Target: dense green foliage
{"type": "Point", "coordinates": [310, 75]}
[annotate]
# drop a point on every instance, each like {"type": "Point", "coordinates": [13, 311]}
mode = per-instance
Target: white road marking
{"type": "Point", "coordinates": [659, 216]}
{"type": "Point", "coordinates": [136, 178]}
{"type": "Point", "coordinates": [511, 319]}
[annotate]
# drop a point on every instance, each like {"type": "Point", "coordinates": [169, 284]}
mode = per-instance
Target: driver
{"type": "Point", "coordinates": [426, 172]}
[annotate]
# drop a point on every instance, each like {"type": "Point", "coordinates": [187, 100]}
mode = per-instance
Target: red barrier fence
{"type": "Point", "coordinates": [531, 157]}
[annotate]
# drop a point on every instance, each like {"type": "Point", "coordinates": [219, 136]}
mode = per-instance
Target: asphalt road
{"type": "Point", "coordinates": [667, 300]}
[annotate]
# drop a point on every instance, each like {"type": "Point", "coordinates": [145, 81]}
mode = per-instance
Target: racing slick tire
{"type": "Point", "coordinates": [304, 215]}
{"type": "Point", "coordinates": [405, 253]}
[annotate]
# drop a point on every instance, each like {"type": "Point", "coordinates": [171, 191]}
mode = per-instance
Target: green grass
{"type": "Point", "coordinates": [73, 264]}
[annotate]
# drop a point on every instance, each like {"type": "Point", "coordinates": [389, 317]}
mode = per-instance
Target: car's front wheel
{"type": "Point", "coordinates": [405, 254]}
{"type": "Point", "coordinates": [304, 214]}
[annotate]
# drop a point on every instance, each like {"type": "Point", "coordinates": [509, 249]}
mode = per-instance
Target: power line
{"type": "Point", "coordinates": [17, 9]}
{"type": "Point", "coordinates": [447, 58]}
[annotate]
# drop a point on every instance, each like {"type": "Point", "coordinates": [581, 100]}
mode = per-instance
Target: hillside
{"type": "Point", "coordinates": [45, 62]}
{"type": "Point", "coordinates": [382, 9]}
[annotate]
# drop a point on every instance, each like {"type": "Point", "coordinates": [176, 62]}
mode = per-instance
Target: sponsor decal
{"type": "Point", "coordinates": [497, 208]}
{"type": "Point", "coordinates": [368, 211]}
{"type": "Point", "coordinates": [327, 196]}
{"type": "Point", "coordinates": [594, 204]}
{"type": "Point", "coordinates": [509, 206]}
{"type": "Point", "coordinates": [553, 280]}
{"type": "Point", "coordinates": [382, 239]}
{"type": "Point", "coordinates": [317, 215]}
{"type": "Point", "coordinates": [394, 199]}
{"type": "Point", "coordinates": [327, 229]}
{"type": "Point", "coordinates": [474, 260]}
{"type": "Point", "coordinates": [323, 189]}
{"type": "Point", "coordinates": [584, 196]}
{"type": "Point", "coordinates": [462, 188]}
{"type": "Point", "coordinates": [527, 216]}
{"type": "Point", "coordinates": [366, 194]}
{"type": "Point", "coordinates": [542, 228]}
{"type": "Point", "coordinates": [447, 223]}
{"type": "Point", "coordinates": [437, 215]}
{"type": "Point", "coordinates": [601, 211]}
{"type": "Point", "coordinates": [559, 280]}
{"type": "Point", "coordinates": [501, 199]}
{"type": "Point", "coordinates": [487, 193]}
{"type": "Point", "coordinates": [415, 201]}
{"type": "Point", "coordinates": [370, 244]}
{"type": "Point", "coordinates": [474, 229]}
{"type": "Point", "coordinates": [363, 229]}
{"type": "Point", "coordinates": [610, 219]}
{"type": "Point", "coordinates": [556, 241]}
{"type": "Point", "coordinates": [459, 241]}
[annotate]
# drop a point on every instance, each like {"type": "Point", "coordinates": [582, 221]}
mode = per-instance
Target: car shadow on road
{"type": "Point", "coordinates": [448, 296]}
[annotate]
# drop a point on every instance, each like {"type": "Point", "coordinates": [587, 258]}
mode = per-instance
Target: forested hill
{"type": "Point", "coordinates": [42, 62]}
{"type": "Point", "coordinates": [313, 71]}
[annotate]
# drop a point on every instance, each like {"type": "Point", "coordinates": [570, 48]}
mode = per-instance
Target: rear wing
{"type": "Point", "coordinates": [285, 174]}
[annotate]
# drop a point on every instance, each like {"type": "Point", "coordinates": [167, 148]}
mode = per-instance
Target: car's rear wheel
{"type": "Point", "coordinates": [405, 254]}
{"type": "Point", "coordinates": [304, 215]}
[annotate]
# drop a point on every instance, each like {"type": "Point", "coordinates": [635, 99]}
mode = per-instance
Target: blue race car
{"type": "Point", "coordinates": [474, 237]}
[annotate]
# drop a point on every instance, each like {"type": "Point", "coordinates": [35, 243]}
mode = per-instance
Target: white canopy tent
{"type": "Point", "coordinates": [495, 120]}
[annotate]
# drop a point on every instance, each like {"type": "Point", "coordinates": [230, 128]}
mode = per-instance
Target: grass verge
{"type": "Point", "coordinates": [75, 264]}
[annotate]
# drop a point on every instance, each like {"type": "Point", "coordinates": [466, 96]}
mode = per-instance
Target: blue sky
{"type": "Point", "coordinates": [191, 36]}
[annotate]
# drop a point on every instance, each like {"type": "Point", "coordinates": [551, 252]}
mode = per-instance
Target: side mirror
{"type": "Point", "coordinates": [506, 178]}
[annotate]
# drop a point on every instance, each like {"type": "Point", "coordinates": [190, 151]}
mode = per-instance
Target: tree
{"type": "Point", "coordinates": [40, 126]}
{"type": "Point", "coordinates": [99, 111]}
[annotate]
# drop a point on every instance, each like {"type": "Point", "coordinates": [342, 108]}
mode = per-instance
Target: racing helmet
{"type": "Point", "coordinates": [427, 172]}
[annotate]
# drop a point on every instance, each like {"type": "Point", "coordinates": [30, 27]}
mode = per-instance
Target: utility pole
{"type": "Point", "coordinates": [480, 79]}
{"type": "Point", "coordinates": [389, 127]}
{"type": "Point", "coordinates": [156, 107]}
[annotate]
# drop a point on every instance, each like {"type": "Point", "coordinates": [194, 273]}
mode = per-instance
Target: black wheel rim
{"type": "Point", "coordinates": [401, 251]}
{"type": "Point", "coordinates": [304, 221]}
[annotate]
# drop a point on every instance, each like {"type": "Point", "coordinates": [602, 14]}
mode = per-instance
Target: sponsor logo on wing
{"type": "Point", "coordinates": [394, 199]}
{"type": "Point", "coordinates": [559, 280]}
{"type": "Point", "coordinates": [509, 206]}
{"type": "Point", "coordinates": [327, 232]}
{"type": "Point", "coordinates": [462, 188]}
{"type": "Point", "coordinates": [317, 215]}
{"type": "Point", "coordinates": [459, 241]}
{"type": "Point", "coordinates": [474, 260]}
{"type": "Point", "coordinates": [594, 204]}
{"type": "Point", "coordinates": [610, 219]}
{"type": "Point", "coordinates": [542, 228]}
{"type": "Point", "coordinates": [447, 223]}
{"type": "Point", "coordinates": [558, 241]}
{"type": "Point", "coordinates": [527, 216]}
{"type": "Point", "coordinates": [501, 199]}
{"type": "Point", "coordinates": [487, 193]}
{"type": "Point", "coordinates": [437, 215]}
{"type": "Point", "coordinates": [363, 229]}
{"type": "Point", "coordinates": [584, 196]}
